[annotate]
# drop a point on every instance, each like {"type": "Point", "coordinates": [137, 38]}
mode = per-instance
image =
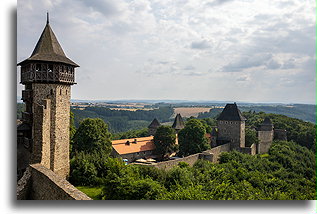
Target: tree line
{"type": "Point", "coordinates": [123, 120]}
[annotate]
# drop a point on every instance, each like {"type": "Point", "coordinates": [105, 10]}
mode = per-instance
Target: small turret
{"type": "Point", "coordinates": [153, 126]}
{"type": "Point", "coordinates": [265, 136]}
{"type": "Point", "coordinates": [266, 125]}
{"type": "Point", "coordinates": [178, 123]}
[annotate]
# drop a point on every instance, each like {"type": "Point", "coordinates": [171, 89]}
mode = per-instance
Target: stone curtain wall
{"type": "Point", "coordinates": [24, 185]}
{"type": "Point", "coordinates": [191, 159]}
{"type": "Point", "coordinates": [211, 155]}
{"type": "Point", "coordinates": [249, 150]}
{"type": "Point", "coordinates": [46, 185]}
{"type": "Point", "coordinates": [217, 151]}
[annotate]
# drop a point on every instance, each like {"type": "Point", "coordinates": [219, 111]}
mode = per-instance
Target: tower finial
{"type": "Point", "coordinates": [47, 18]}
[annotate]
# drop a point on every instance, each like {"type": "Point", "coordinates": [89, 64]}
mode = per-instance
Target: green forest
{"type": "Point", "coordinates": [123, 120]}
{"type": "Point", "coordinates": [286, 172]}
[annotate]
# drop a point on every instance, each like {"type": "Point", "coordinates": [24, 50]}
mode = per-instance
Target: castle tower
{"type": "Point", "coordinates": [178, 125]}
{"type": "Point", "coordinates": [265, 135]}
{"type": "Point", "coordinates": [48, 75]}
{"type": "Point", "coordinates": [231, 126]}
{"type": "Point", "coordinates": [213, 137]}
{"type": "Point", "coordinates": [153, 126]}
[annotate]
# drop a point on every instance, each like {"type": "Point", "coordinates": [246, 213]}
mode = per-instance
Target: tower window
{"type": "Point", "coordinates": [50, 68]}
{"type": "Point", "coordinates": [38, 67]}
{"type": "Point", "coordinates": [44, 67]}
{"type": "Point", "coordinates": [51, 91]}
{"type": "Point", "coordinates": [60, 91]}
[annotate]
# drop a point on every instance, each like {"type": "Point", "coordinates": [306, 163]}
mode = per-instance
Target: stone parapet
{"type": "Point", "coordinates": [47, 185]}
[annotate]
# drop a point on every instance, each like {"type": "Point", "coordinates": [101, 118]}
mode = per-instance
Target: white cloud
{"type": "Point", "coordinates": [207, 45]}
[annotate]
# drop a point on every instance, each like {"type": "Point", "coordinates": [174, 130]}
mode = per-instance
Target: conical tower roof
{"type": "Point", "coordinates": [154, 124]}
{"type": "Point", "coordinates": [48, 49]}
{"type": "Point", "coordinates": [231, 113]}
{"type": "Point", "coordinates": [178, 122]}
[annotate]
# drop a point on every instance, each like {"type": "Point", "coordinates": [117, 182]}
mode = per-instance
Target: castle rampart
{"type": "Point", "coordinates": [41, 183]}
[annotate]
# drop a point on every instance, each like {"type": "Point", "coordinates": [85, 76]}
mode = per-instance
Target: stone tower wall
{"type": "Point", "coordinates": [232, 130]}
{"type": "Point", "coordinates": [152, 131]}
{"type": "Point", "coordinates": [265, 141]}
{"type": "Point", "coordinates": [58, 124]}
{"type": "Point", "coordinates": [41, 132]}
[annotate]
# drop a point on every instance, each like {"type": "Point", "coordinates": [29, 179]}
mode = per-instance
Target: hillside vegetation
{"type": "Point", "coordinates": [299, 131]}
{"type": "Point", "coordinates": [122, 120]}
{"type": "Point", "coordinates": [287, 172]}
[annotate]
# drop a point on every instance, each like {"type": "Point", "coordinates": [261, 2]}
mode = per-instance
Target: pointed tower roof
{"type": "Point", "coordinates": [48, 49]}
{"type": "Point", "coordinates": [178, 122]}
{"type": "Point", "coordinates": [266, 125]}
{"type": "Point", "coordinates": [231, 113]}
{"type": "Point", "coordinates": [154, 124]}
{"type": "Point", "coordinates": [267, 121]}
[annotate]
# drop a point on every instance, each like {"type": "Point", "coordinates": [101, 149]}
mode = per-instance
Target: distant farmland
{"type": "Point", "coordinates": [190, 111]}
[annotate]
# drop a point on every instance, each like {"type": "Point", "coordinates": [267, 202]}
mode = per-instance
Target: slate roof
{"type": "Point", "coordinates": [48, 49]}
{"type": "Point", "coordinates": [178, 122]}
{"type": "Point", "coordinates": [154, 124]}
{"type": "Point", "coordinates": [231, 113]}
{"type": "Point", "coordinates": [267, 121]}
{"type": "Point", "coordinates": [142, 144]}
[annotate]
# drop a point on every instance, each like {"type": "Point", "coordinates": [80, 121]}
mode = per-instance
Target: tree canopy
{"type": "Point", "coordinates": [164, 140]}
{"type": "Point", "coordinates": [192, 139]}
{"type": "Point", "coordinates": [92, 135]}
{"type": "Point", "coordinates": [250, 137]}
{"type": "Point", "coordinates": [287, 172]}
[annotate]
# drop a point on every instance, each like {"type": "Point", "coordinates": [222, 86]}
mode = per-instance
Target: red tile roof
{"type": "Point", "coordinates": [142, 144]}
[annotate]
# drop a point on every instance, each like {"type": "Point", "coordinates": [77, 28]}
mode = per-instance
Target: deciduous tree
{"type": "Point", "coordinates": [164, 140]}
{"type": "Point", "coordinates": [192, 139]}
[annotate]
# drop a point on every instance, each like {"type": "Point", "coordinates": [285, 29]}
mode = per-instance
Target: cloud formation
{"type": "Point", "coordinates": [215, 51]}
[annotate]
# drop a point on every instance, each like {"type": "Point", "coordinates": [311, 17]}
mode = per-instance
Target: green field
{"type": "Point", "coordinates": [92, 192]}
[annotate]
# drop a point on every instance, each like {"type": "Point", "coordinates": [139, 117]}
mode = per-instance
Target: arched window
{"type": "Point", "coordinates": [52, 92]}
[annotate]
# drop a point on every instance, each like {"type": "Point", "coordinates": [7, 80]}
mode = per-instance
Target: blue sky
{"type": "Point", "coordinates": [254, 51]}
